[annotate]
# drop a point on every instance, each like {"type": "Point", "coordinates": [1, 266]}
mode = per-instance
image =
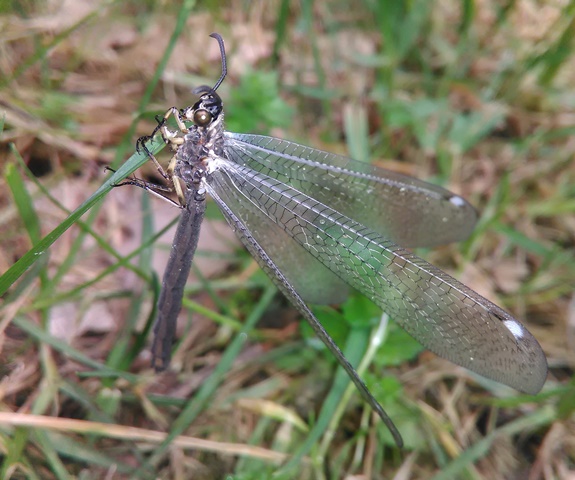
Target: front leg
{"type": "Point", "coordinates": [171, 138]}
{"type": "Point", "coordinates": [155, 188]}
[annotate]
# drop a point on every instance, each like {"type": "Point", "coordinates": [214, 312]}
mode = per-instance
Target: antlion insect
{"type": "Point", "coordinates": [317, 222]}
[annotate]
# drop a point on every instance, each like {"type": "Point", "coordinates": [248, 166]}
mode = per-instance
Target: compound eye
{"type": "Point", "coordinates": [202, 117]}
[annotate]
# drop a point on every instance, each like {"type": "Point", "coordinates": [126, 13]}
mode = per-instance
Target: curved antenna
{"type": "Point", "coordinates": [220, 40]}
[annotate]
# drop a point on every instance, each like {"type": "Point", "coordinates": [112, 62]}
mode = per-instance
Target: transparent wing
{"type": "Point", "coordinates": [442, 314]}
{"type": "Point", "coordinates": [272, 269]}
{"type": "Point", "coordinates": [314, 282]}
{"type": "Point", "coordinates": [407, 211]}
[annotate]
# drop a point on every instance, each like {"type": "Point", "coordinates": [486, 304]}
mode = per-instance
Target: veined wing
{"type": "Point", "coordinates": [313, 281]}
{"type": "Point", "coordinates": [407, 211]}
{"type": "Point", "coordinates": [441, 313]}
{"type": "Point", "coordinates": [282, 282]}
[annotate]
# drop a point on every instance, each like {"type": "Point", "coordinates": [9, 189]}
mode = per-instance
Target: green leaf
{"type": "Point", "coordinates": [400, 347]}
{"type": "Point", "coordinates": [256, 105]}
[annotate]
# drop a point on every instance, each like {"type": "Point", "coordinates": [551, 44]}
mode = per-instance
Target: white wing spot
{"type": "Point", "coordinates": [515, 328]}
{"type": "Point", "coordinates": [457, 201]}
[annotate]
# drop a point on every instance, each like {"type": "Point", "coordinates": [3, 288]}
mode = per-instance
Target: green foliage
{"type": "Point", "coordinates": [400, 347]}
{"type": "Point", "coordinates": [54, 107]}
{"type": "Point", "coordinates": [256, 106]}
{"type": "Point", "coordinates": [512, 122]}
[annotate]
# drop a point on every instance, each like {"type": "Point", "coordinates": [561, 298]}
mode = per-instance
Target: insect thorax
{"type": "Point", "coordinates": [200, 143]}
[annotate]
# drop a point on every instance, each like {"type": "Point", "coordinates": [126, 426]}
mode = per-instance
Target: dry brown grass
{"type": "Point", "coordinates": [73, 74]}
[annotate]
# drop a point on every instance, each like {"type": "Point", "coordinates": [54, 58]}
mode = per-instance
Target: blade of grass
{"type": "Point", "coordinates": [24, 206]}
{"type": "Point", "coordinates": [74, 390]}
{"type": "Point", "coordinates": [85, 452]}
{"type": "Point", "coordinates": [557, 54]}
{"type": "Point", "coordinates": [48, 448]}
{"type": "Point", "coordinates": [541, 417]}
{"type": "Point", "coordinates": [84, 226]}
{"type": "Point", "coordinates": [357, 132]}
{"type": "Point", "coordinates": [340, 393]}
{"type": "Point", "coordinates": [83, 427]}
{"type": "Point", "coordinates": [253, 467]}
{"type": "Point", "coordinates": [122, 354]}
{"type": "Point", "coordinates": [42, 52]}
{"type": "Point", "coordinates": [123, 262]}
{"type": "Point", "coordinates": [181, 22]}
{"type": "Point", "coordinates": [23, 202]}
{"type": "Point", "coordinates": [30, 219]}
{"type": "Point", "coordinates": [15, 452]}
{"type": "Point", "coordinates": [42, 336]}
{"type": "Point", "coordinates": [375, 341]}
{"type": "Point", "coordinates": [281, 26]}
{"type": "Point", "coordinates": [199, 401]}
{"type": "Point", "coordinates": [39, 249]}
{"type": "Point", "coordinates": [134, 162]}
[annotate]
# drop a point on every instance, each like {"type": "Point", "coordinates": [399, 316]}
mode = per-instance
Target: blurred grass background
{"type": "Point", "coordinates": [474, 95]}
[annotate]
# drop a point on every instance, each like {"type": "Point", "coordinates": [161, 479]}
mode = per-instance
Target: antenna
{"type": "Point", "coordinates": [220, 40]}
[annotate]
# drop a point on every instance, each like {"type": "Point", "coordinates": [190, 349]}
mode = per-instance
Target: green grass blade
{"type": "Point", "coordinates": [198, 403]}
{"type": "Point", "coordinates": [40, 248]}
